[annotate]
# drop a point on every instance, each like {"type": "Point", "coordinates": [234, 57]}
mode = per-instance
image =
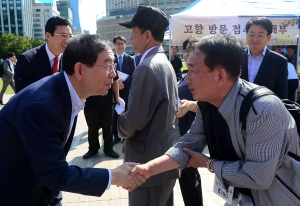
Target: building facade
{"type": "Point", "coordinates": [41, 13]}
{"type": "Point", "coordinates": [76, 6]}
{"type": "Point", "coordinates": [63, 6]}
{"type": "Point", "coordinates": [123, 10]}
{"type": "Point", "coordinates": [16, 17]}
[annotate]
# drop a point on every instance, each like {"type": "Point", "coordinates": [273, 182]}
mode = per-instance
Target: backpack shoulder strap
{"type": "Point", "coordinates": [249, 100]}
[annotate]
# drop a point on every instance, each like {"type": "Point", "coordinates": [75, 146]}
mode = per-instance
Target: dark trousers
{"type": "Point", "coordinates": [99, 116]}
{"type": "Point", "coordinates": [190, 185]}
{"type": "Point", "coordinates": [5, 85]}
{"type": "Point", "coordinates": [292, 87]}
{"type": "Point", "coordinates": [160, 195]}
{"type": "Point", "coordinates": [115, 125]}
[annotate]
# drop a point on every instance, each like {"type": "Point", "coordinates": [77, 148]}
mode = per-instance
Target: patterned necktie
{"type": "Point", "coordinates": [55, 65]}
{"type": "Point", "coordinates": [120, 63]}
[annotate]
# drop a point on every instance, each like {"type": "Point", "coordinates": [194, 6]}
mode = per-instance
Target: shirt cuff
{"type": "Point", "coordinates": [109, 179]}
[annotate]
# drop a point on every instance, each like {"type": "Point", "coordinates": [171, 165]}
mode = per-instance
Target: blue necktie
{"type": "Point", "coordinates": [120, 63]}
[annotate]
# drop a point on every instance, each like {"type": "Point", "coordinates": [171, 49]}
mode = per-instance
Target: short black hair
{"type": "Point", "coordinates": [10, 54]}
{"type": "Point", "coordinates": [290, 46]}
{"type": "Point", "coordinates": [224, 50]}
{"type": "Point", "coordinates": [189, 41]}
{"type": "Point", "coordinates": [120, 37]}
{"type": "Point", "coordinates": [56, 21]}
{"type": "Point", "coordinates": [83, 48]}
{"type": "Point", "coordinates": [265, 23]}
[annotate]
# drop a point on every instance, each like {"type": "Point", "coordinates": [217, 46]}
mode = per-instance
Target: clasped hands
{"type": "Point", "coordinates": [136, 173]}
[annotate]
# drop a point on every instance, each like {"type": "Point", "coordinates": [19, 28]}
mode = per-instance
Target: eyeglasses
{"type": "Point", "coordinates": [109, 68]}
{"type": "Point", "coordinates": [64, 36]}
{"type": "Point", "coordinates": [120, 43]}
{"type": "Point", "coordinates": [259, 36]}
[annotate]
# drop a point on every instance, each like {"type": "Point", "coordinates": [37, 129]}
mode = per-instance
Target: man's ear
{"type": "Point", "coordinates": [148, 36]}
{"type": "Point", "coordinates": [48, 35]}
{"type": "Point", "coordinates": [79, 70]}
{"type": "Point", "coordinates": [222, 75]}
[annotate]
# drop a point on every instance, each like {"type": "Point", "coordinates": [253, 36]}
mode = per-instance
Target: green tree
{"type": "Point", "coordinates": [17, 44]}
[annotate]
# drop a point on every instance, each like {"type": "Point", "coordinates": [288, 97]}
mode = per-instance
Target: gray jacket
{"type": "Point", "coordinates": [149, 125]}
{"type": "Point", "coordinates": [265, 167]}
{"type": "Point", "coordinates": [7, 75]}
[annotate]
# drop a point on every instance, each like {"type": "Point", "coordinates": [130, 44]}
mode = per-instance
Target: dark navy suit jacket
{"type": "Point", "coordinates": [272, 73]}
{"type": "Point", "coordinates": [128, 67]}
{"type": "Point", "coordinates": [33, 134]}
{"type": "Point", "coordinates": [32, 66]}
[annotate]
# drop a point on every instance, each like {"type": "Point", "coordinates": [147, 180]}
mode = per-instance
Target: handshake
{"type": "Point", "coordinates": [129, 175]}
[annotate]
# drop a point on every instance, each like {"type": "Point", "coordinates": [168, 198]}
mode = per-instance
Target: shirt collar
{"type": "Point", "coordinates": [120, 55]}
{"type": "Point", "coordinates": [228, 104]}
{"type": "Point", "coordinates": [144, 55]}
{"type": "Point", "coordinates": [77, 103]}
{"type": "Point", "coordinates": [50, 55]}
{"type": "Point", "coordinates": [263, 52]}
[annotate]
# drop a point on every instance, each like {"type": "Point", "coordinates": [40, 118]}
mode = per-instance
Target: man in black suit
{"type": "Point", "coordinates": [98, 112]}
{"type": "Point", "coordinates": [125, 64]}
{"type": "Point", "coordinates": [262, 66]}
{"type": "Point", "coordinates": [44, 60]}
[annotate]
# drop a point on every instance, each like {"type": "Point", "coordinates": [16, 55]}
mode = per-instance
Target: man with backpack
{"type": "Point", "coordinates": [8, 67]}
{"type": "Point", "coordinates": [261, 160]}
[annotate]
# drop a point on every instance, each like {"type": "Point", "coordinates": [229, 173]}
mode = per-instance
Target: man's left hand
{"type": "Point", "coordinates": [197, 159]}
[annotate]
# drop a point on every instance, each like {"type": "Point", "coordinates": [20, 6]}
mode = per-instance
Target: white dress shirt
{"type": "Point", "coordinates": [254, 64]}
{"type": "Point", "coordinates": [51, 56]}
{"type": "Point", "coordinates": [12, 66]}
{"type": "Point", "coordinates": [143, 57]}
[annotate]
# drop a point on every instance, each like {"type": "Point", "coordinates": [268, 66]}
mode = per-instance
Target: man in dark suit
{"type": "Point", "coordinates": [262, 66]}
{"type": "Point", "coordinates": [43, 61]}
{"type": "Point", "coordinates": [36, 123]}
{"type": "Point", "coordinates": [98, 112]}
{"type": "Point", "coordinates": [125, 64]}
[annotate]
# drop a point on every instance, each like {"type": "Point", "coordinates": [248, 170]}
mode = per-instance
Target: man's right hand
{"type": "Point", "coordinates": [119, 176]}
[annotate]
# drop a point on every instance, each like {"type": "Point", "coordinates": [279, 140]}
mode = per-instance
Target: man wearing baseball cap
{"type": "Point", "coordinates": [149, 125]}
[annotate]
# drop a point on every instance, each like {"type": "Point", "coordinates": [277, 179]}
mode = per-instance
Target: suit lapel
{"type": "Point", "coordinates": [44, 63]}
{"type": "Point", "coordinates": [244, 74]}
{"type": "Point", "coordinates": [263, 69]}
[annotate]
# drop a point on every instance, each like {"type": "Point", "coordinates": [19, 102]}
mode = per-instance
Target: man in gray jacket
{"type": "Point", "coordinates": [266, 151]}
{"type": "Point", "coordinates": [8, 74]}
{"type": "Point", "coordinates": [149, 125]}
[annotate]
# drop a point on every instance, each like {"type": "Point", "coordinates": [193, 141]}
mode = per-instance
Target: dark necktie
{"type": "Point", "coordinates": [55, 65]}
{"type": "Point", "coordinates": [120, 63]}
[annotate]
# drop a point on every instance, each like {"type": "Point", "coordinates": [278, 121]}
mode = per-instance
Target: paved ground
{"type": "Point", "coordinates": [116, 196]}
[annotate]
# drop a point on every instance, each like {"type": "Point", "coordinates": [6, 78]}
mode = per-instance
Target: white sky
{"type": "Point", "coordinates": [91, 8]}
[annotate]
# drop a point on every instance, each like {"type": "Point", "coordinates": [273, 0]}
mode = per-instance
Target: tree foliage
{"type": "Point", "coordinates": [17, 44]}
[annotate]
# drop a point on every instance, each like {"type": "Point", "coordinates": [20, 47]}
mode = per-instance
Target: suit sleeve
{"type": "Point", "coordinates": [143, 100]}
{"type": "Point", "coordinates": [23, 73]}
{"type": "Point", "coordinates": [40, 128]}
{"type": "Point", "coordinates": [131, 65]}
{"type": "Point", "coordinates": [281, 86]}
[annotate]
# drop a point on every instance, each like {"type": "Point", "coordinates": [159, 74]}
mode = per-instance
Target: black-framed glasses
{"type": "Point", "coordinates": [259, 36]}
{"type": "Point", "coordinates": [109, 68]}
{"type": "Point", "coordinates": [64, 36]}
{"type": "Point", "coordinates": [120, 43]}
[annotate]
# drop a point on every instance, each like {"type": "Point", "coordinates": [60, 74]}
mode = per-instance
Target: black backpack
{"type": "Point", "coordinates": [292, 107]}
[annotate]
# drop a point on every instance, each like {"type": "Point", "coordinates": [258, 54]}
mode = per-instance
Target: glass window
{"type": "Point", "coordinates": [37, 10]}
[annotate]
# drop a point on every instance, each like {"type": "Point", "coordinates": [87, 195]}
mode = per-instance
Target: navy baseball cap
{"type": "Point", "coordinates": [148, 17]}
